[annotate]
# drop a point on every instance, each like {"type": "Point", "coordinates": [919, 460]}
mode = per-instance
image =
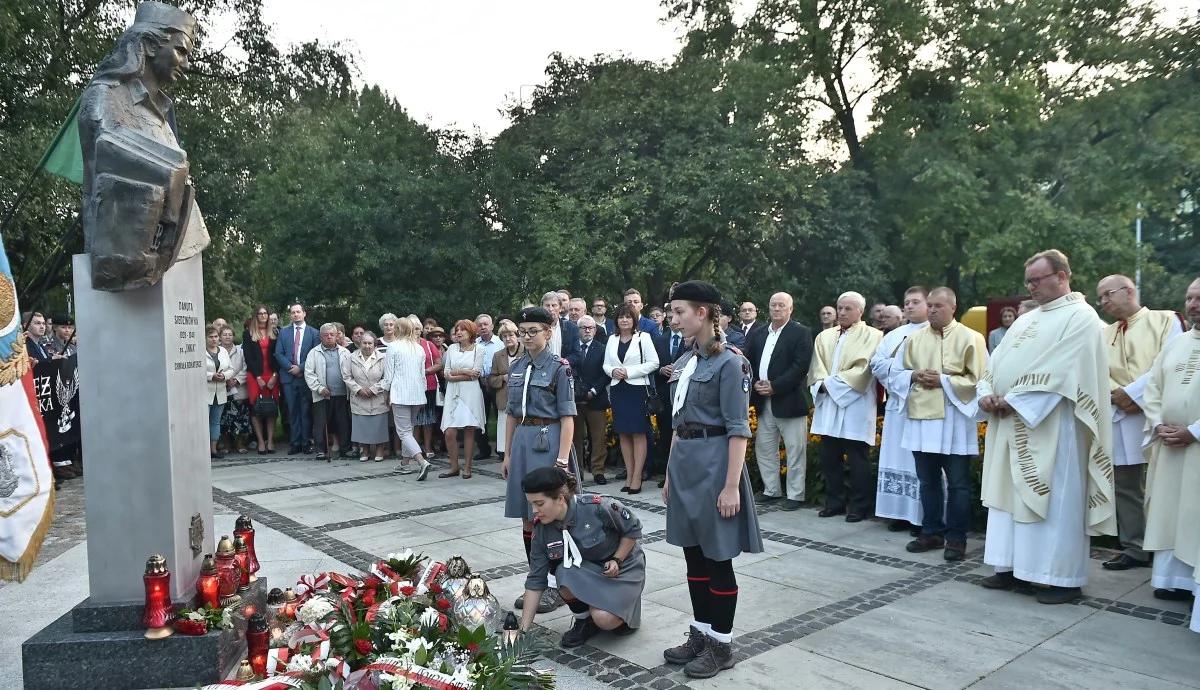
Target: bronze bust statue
{"type": "Point", "coordinates": [139, 215]}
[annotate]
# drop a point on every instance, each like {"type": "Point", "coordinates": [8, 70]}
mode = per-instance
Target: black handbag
{"type": "Point", "coordinates": [265, 407]}
{"type": "Point", "coordinates": [654, 404]}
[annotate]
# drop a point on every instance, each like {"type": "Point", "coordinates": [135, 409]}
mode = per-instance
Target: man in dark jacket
{"type": "Point", "coordinates": [669, 346]}
{"type": "Point", "coordinates": [591, 399]}
{"type": "Point", "coordinates": [779, 356]}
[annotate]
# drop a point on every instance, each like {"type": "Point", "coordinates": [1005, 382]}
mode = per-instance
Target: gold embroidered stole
{"type": "Point", "coordinates": [854, 365]}
{"type": "Point", "coordinates": [1132, 349]}
{"type": "Point", "coordinates": [1058, 349]}
{"type": "Point", "coordinates": [958, 352]}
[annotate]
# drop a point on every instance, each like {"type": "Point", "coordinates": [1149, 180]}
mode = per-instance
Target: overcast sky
{"type": "Point", "coordinates": [454, 62]}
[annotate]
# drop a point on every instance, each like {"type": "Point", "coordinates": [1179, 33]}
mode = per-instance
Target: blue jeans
{"type": "Point", "coordinates": [299, 405]}
{"type": "Point", "coordinates": [214, 421]}
{"type": "Point", "coordinates": [941, 516]}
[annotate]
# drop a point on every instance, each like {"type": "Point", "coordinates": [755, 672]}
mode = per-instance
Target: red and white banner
{"type": "Point", "coordinates": [26, 483]}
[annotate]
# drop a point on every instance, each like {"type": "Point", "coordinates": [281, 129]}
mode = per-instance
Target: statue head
{"type": "Point", "coordinates": [159, 42]}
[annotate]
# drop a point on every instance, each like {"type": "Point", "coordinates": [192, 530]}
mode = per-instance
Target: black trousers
{"type": "Point", "coordinates": [332, 413]}
{"type": "Point", "coordinates": [483, 444]}
{"type": "Point", "coordinates": [862, 488]}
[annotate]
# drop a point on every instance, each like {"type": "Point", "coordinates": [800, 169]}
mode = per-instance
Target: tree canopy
{"type": "Point", "coordinates": [808, 147]}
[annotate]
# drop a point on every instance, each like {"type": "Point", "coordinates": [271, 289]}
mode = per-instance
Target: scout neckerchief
{"type": "Point", "coordinates": [681, 386]}
{"type": "Point", "coordinates": [572, 556]}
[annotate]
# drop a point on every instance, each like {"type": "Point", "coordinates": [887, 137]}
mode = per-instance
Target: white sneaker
{"type": "Point", "coordinates": [425, 467]}
{"type": "Point", "coordinates": [405, 468]}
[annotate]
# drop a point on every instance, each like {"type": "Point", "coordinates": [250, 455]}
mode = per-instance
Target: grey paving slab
{"type": "Point", "coordinates": [913, 650]}
{"type": "Point", "coordinates": [390, 536]}
{"type": "Point", "coordinates": [313, 506]}
{"type": "Point", "coordinates": [1167, 652]}
{"type": "Point", "coordinates": [466, 522]}
{"type": "Point", "coordinates": [771, 549]}
{"type": "Point", "coordinates": [760, 602]}
{"type": "Point", "coordinates": [824, 574]}
{"type": "Point", "coordinates": [1005, 615]}
{"type": "Point", "coordinates": [1144, 596]}
{"type": "Point", "coordinates": [247, 478]}
{"type": "Point", "coordinates": [788, 667]}
{"type": "Point", "coordinates": [805, 523]}
{"type": "Point", "coordinates": [1046, 670]}
{"type": "Point", "coordinates": [1113, 584]}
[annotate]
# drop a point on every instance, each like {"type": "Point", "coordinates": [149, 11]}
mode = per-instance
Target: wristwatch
{"type": "Point", "coordinates": [562, 463]}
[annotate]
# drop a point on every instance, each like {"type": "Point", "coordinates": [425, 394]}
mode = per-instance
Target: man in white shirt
{"type": "Point", "coordinates": [779, 356]}
{"type": "Point", "coordinates": [748, 319]}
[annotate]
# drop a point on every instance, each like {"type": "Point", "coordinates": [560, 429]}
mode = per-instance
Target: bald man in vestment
{"type": "Point", "coordinates": [1134, 339]}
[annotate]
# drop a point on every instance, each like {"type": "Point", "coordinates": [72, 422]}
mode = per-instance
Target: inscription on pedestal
{"type": "Point", "coordinates": [184, 329]}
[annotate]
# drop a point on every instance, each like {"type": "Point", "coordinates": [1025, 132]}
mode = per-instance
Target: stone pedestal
{"type": "Point", "coordinates": [94, 646]}
{"type": "Point", "coordinates": [144, 430]}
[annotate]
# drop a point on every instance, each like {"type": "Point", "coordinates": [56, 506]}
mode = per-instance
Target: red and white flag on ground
{"type": "Point", "coordinates": [26, 482]}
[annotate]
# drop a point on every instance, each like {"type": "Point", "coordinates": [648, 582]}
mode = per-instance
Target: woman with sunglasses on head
{"type": "Point", "coordinates": [541, 424]}
{"type": "Point", "coordinates": [258, 342]}
{"type": "Point", "coordinates": [710, 507]}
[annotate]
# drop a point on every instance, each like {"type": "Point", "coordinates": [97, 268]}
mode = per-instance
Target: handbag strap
{"type": "Point", "coordinates": [650, 376]}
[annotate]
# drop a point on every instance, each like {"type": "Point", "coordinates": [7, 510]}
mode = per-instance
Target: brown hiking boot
{"type": "Point", "coordinates": [925, 542]}
{"type": "Point", "coordinates": [716, 657]}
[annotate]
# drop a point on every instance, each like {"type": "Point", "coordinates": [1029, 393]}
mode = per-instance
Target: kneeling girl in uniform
{"type": "Point", "coordinates": [541, 423]}
{"type": "Point", "coordinates": [710, 507]}
{"type": "Point", "coordinates": [590, 543]}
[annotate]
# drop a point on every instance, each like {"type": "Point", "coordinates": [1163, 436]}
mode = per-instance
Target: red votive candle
{"type": "Point", "coordinates": [208, 586]}
{"type": "Point", "coordinates": [159, 609]}
{"type": "Point", "coordinates": [245, 529]}
{"type": "Point", "coordinates": [258, 637]}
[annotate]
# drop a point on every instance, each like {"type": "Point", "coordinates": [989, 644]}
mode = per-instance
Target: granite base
{"type": "Point", "coordinates": [62, 656]}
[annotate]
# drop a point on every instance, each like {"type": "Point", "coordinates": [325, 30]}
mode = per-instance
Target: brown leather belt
{"type": "Point", "coordinates": [537, 421]}
{"type": "Point", "coordinates": [690, 431]}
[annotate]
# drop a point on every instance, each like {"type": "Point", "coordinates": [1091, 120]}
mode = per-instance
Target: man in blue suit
{"type": "Point", "coordinates": [670, 347]}
{"type": "Point", "coordinates": [645, 324]}
{"type": "Point", "coordinates": [292, 346]}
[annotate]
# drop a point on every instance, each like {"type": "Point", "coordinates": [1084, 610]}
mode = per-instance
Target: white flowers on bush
{"type": "Point", "coordinates": [302, 663]}
{"type": "Point", "coordinates": [195, 616]}
{"type": "Point", "coordinates": [315, 610]}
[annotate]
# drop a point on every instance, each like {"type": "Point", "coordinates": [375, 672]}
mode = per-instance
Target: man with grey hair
{"type": "Point", "coordinates": [490, 344]}
{"type": "Point", "coordinates": [330, 396]}
{"type": "Point", "coordinates": [844, 398]}
{"type": "Point", "coordinates": [576, 308]}
{"type": "Point", "coordinates": [591, 400]}
{"type": "Point", "coordinates": [891, 318]}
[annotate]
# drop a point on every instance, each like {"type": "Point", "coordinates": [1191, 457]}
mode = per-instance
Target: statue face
{"type": "Point", "coordinates": [169, 62]}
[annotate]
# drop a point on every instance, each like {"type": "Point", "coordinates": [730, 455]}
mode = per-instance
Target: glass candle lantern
{"type": "Point", "coordinates": [241, 556]}
{"type": "Point", "coordinates": [289, 604]}
{"type": "Point", "coordinates": [159, 610]}
{"type": "Point", "coordinates": [227, 571]}
{"type": "Point", "coordinates": [245, 529]}
{"type": "Point", "coordinates": [208, 585]}
{"type": "Point", "coordinates": [258, 637]}
{"type": "Point", "coordinates": [276, 620]}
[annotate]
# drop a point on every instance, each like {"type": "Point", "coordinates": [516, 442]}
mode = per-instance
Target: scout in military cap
{"type": "Point", "coordinates": [541, 423]}
{"type": "Point", "coordinates": [589, 543]}
{"type": "Point", "coordinates": [710, 507]}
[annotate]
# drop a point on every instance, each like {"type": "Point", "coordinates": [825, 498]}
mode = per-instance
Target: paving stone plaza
{"type": "Point", "coordinates": [829, 604]}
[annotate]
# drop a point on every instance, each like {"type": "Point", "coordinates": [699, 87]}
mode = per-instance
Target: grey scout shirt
{"type": "Point", "coordinates": [718, 392]}
{"type": "Point", "coordinates": [551, 393]}
{"type": "Point", "coordinates": [596, 523]}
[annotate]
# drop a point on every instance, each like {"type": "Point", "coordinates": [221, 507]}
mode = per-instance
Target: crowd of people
{"type": "Point", "coordinates": [1076, 409]}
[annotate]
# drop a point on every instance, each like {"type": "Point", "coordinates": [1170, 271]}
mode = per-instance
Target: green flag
{"type": "Point", "coordinates": [65, 156]}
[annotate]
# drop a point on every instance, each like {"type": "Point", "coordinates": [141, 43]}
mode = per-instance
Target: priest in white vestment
{"type": "Point", "coordinates": [844, 401]}
{"type": "Point", "coordinates": [1172, 408]}
{"type": "Point", "coordinates": [943, 363]}
{"type": "Point", "coordinates": [1134, 339]}
{"type": "Point", "coordinates": [897, 490]}
{"type": "Point", "coordinates": [1047, 467]}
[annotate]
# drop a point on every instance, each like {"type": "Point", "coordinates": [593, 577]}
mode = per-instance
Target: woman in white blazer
{"type": "Point", "coordinates": [631, 360]}
{"type": "Point", "coordinates": [217, 370]}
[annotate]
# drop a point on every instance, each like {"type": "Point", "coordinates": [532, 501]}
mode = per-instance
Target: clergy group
{"type": "Point", "coordinates": [1092, 429]}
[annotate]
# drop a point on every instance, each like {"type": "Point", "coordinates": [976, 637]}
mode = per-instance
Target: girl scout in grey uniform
{"type": "Point", "coordinates": [541, 423]}
{"type": "Point", "coordinates": [589, 542]}
{"type": "Point", "coordinates": [710, 507]}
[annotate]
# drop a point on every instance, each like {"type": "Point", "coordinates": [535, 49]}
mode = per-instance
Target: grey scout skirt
{"type": "Point", "coordinates": [620, 595]}
{"type": "Point", "coordinates": [696, 475]}
{"type": "Point", "coordinates": [522, 459]}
